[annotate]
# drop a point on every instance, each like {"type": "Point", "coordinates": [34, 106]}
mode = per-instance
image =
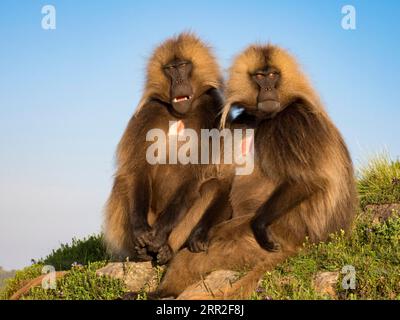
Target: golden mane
{"type": "Point", "coordinates": [186, 46]}
{"type": "Point", "coordinates": [294, 83]}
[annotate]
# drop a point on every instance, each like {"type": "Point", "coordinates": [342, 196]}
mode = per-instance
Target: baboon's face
{"type": "Point", "coordinates": [179, 73]}
{"type": "Point", "coordinates": [267, 82]}
{"type": "Point", "coordinates": [264, 80]}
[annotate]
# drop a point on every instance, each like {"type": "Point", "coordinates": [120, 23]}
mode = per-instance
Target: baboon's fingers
{"type": "Point", "coordinates": [272, 246]}
{"type": "Point", "coordinates": [141, 254]}
{"type": "Point", "coordinates": [198, 246]}
{"type": "Point", "coordinates": [144, 239]}
{"type": "Point", "coordinates": [164, 254]}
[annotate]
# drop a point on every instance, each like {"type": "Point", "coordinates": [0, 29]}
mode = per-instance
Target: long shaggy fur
{"type": "Point", "coordinates": [152, 113]}
{"type": "Point", "coordinates": [187, 46]}
{"type": "Point", "coordinates": [301, 144]}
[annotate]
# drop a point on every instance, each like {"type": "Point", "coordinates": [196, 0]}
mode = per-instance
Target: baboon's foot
{"type": "Point", "coordinates": [164, 254]}
{"type": "Point", "coordinates": [198, 241]}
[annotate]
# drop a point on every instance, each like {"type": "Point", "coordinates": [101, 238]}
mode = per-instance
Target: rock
{"type": "Point", "coordinates": [325, 283]}
{"type": "Point", "coordinates": [215, 284]}
{"type": "Point", "coordinates": [381, 212]}
{"type": "Point", "coordinates": [136, 275]}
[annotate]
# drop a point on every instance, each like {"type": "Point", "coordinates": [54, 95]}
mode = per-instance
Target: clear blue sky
{"type": "Point", "coordinates": [66, 95]}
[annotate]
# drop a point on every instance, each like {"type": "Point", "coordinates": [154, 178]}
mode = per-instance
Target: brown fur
{"type": "Point", "coordinates": [188, 47]}
{"type": "Point", "coordinates": [133, 171]}
{"type": "Point", "coordinates": [300, 145]}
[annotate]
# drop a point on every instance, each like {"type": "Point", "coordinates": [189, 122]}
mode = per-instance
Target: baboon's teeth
{"type": "Point", "coordinates": [180, 99]}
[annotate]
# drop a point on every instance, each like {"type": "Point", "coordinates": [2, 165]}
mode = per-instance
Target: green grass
{"type": "Point", "coordinates": [79, 252]}
{"type": "Point", "coordinates": [4, 275]}
{"type": "Point", "coordinates": [21, 276]}
{"type": "Point", "coordinates": [379, 181]}
{"type": "Point", "coordinates": [81, 283]}
{"type": "Point", "coordinates": [373, 250]}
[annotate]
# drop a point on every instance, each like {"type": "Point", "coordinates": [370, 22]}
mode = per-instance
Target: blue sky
{"type": "Point", "coordinates": [66, 94]}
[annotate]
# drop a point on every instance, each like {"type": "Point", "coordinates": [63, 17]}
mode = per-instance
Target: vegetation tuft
{"type": "Point", "coordinates": [79, 252]}
{"type": "Point", "coordinates": [379, 181]}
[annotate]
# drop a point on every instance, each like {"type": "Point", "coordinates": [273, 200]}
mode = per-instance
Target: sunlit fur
{"type": "Point", "coordinates": [185, 46]}
{"type": "Point", "coordinates": [131, 149]}
{"type": "Point", "coordinates": [294, 84]}
{"type": "Point", "coordinates": [300, 143]}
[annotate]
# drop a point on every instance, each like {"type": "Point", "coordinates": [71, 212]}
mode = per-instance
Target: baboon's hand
{"type": "Point", "coordinates": [141, 254]}
{"type": "Point", "coordinates": [156, 240]}
{"type": "Point", "coordinates": [164, 254]}
{"type": "Point", "coordinates": [198, 240]}
{"type": "Point", "coordinates": [262, 235]}
{"type": "Point", "coordinates": [141, 235]}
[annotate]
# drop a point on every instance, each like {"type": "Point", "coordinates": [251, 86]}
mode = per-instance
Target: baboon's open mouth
{"type": "Point", "coordinates": [181, 99]}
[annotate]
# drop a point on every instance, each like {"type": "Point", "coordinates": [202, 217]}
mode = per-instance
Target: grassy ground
{"type": "Point", "coordinates": [81, 283]}
{"type": "Point", "coordinates": [4, 275]}
{"type": "Point", "coordinates": [372, 249]}
{"type": "Point", "coordinates": [379, 181]}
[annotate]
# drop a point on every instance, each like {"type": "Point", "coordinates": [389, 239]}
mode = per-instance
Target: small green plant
{"type": "Point", "coordinates": [81, 252]}
{"type": "Point", "coordinates": [379, 181]}
{"type": "Point", "coordinates": [81, 283]}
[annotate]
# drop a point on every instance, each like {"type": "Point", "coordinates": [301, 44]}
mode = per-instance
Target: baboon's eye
{"type": "Point", "coordinates": [272, 75]}
{"type": "Point", "coordinates": [260, 76]}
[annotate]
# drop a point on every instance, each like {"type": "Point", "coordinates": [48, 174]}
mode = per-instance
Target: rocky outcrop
{"type": "Point", "coordinates": [325, 283]}
{"type": "Point", "coordinates": [215, 284]}
{"type": "Point", "coordinates": [137, 276]}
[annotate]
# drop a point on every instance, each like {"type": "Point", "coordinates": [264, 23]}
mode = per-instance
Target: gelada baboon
{"type": "Point", "coordinates": [302, 185]}
{"type": "Point", "coordinates": [149, 200]}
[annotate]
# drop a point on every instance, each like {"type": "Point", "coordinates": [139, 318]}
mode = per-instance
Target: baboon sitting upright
{"type": "Point", "coordinates": [148, 200]}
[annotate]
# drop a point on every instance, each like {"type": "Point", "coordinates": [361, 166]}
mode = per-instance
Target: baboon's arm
{"type": "Point", "coordinates": [139, 208]}
{"type": "Point", "coordinates": [217, 211]}
{"type": "Point", "coordinates": [286, 197]}
{"type": "Point", "coordinates": [170, 217]}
